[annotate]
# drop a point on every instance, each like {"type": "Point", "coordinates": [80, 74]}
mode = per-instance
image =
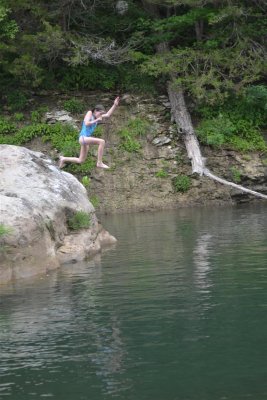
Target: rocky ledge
{"type": "Point", "coordinates": [37, 201]}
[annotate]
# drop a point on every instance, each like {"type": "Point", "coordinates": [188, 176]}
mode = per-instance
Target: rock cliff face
{"type": "Point", "coordinates": [36, 202]}
{"type": "Point", "coordinates": [143, 180]}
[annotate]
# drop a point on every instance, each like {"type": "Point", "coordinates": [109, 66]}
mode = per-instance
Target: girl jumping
{"type": "Point", "coordinates": [86, 137]}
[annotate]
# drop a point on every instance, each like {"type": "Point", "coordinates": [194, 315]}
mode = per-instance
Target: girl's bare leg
{"type": "Point", "coordinates": [76, 160]}
{"type": "Point", "coordinates": [101, 146]}
{"type": "Point", "coordinates": [85, 142]}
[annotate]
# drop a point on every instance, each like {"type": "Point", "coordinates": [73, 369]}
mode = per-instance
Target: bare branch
{"type": "Point", "coordinates": [99, 49]}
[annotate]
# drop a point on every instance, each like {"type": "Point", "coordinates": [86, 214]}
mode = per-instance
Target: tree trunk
{"type": "Point", "coordinates": [199, 25]}
{"type": "Point", "coordinates": [185, 127]}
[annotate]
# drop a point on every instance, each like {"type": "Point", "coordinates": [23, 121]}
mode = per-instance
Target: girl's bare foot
{"type": "Point", "coordinates": [102, 165]}
{"type": "Point", "coordinates": [61, 162]}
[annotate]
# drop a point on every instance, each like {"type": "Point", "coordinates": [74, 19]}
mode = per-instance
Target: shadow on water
{"type": "Point", "coordinates": [176, 311]}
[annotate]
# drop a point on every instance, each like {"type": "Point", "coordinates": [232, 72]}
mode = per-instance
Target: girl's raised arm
{"type": "Point", "coordinates": [112, 109]}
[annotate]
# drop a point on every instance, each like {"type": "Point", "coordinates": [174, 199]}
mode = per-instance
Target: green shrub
{"type": "Point", "coordinates": [93, 76]}
{"type": "Point", "coordinates": [37, 115]}
{"type": "Point", "coordinates": [16, 100]}
{"type": "Point", "coordinates": [80, 220]}
{"type": "Point", "coordinates": [138, 126]}
{"type": "Point", "coordinates": [161, 174]}
{"type": "Point", "coordinates": [97, 76]}
{"type": "Point", "coordinates": [74, 106]}
{"type": "Point", "coordinates": [237, 121]}
{"type": "Point", "coordinates": [6, 127]}
{"type": "Point", "coordinates": [236, 174]}
{"type": "Point", "coordinates": [181, 183]}
{"type": "Point", "coordinates": [131, 145]}
{"type": "Point", "coordinates": [86, 181]}
{"type": "Point", "coordinates": [135, 128]}
{"type": "Point", "coordinates": [94, 200]}
{"type": "Point", "coordinates": [30, 132]}
{"type": "Point", "coordinates": [215, 131]}
{"type": "Point", "coordinates": [18, 117]}
{"type": "Point", "coordinates": [251, 105]}
{"type": "Point", "coordinates": [4, 230]}
{"type": "Point", "coordinates": [240, 134]}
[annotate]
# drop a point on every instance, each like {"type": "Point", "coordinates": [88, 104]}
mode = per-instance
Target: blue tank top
{"type": "Point", "coordinates": [89, 129]}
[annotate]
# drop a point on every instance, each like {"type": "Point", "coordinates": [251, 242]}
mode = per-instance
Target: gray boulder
{"type": "Point", "coordinates": [61, 116]}
{"type": "Point", "coordinates": [37, 199]}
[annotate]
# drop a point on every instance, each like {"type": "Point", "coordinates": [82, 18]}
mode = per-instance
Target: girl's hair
{"type": "Point", "coordinates": [99, 107]}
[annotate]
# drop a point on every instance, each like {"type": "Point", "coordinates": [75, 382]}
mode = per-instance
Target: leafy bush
{"type": "Point", "coordinates": [181, 183]}
{"type": "Point", "coordinates": [97, 76]}
{"type": "Point", "coordinates": [240, 134]}
{"type": "Point", "coordinates": [18, 117]}
{"type": "Point", "coordinates": [86, 181]}
{"type": "Point", "coordinates": [80, 220]}
{"type": "Point", "coordinates": [6, 127]}
{"type": "Point", "coordinates": [94, 200]}
{"type": "Point", "coordinates": [161, 174]}
{"type": "Point", "coordinates": [4, 230]}
{"type": "Point", "coordinates": [236, 174]}
{"type": "Point", "coordinates": [30, 132]}
{"type": "Point", "coordinates": [129, 144]}
{"type": "Point", "coordinates": [256, 98]}
{"type": "Point", "coordinates": [37, 115]}
{"type": "Point", "coordinates": [135, 128]}
{"type": "Point", "coordinates": [236, 122]}
{"type": "Point", "coordinates": [16, 100]}
{"type": "Point", "coordinates": [74, 106]}
{"type": "Point", "coordinates": [138, 126]}
{"type": "Point", "coordinates": [93, 76]}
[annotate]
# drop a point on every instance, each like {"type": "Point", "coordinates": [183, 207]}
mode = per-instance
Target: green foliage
{"type": "Point", "coordinates": [93, 76]}
{"type": "Point", "coordinates": [18, 117]}
{"type": "Point", "coordinates": [213, 47]}
{"type": "Point", "coordinates": [215, 131]}
{"type": "Point", "coordinates": [30, 132]}
{"type": "Point", "coordinates": [6, 127]}
{"type": "Point", "coordinates": [129, 144]}
{"type": "Point", "coordinates": [86, 181]}
{"type": "Point", "coordinates": [239, 134]}
{"type": "Point", "coordinates": [256, 96]}
{"type": "Point", "coordinates": [80, 220]}
{"type": "Point", "coordinates": [27, 71]}
{"type": "Point", "coordinates": [136, 127]}
{"type": "Point", "coordinates": [181, 183]}
{"type": "Point", "coordinates": [94, 200]}
{"type": "Point", "coordinates": [236, 174]}
{"type": "Point", "coordinates": [8, 27]}
{"type": "Point", "coordinates": [16, 100]}
{"type": "Point", "coordinates": [161, 174]}
{"type": "Point", "coordinates": [37, 115]}
{"type": "Point", "coordinates": [73, 105]}
{"type": "Point", "coordinates": [5, 230]}
{"type": "Point", "coordinates": [236, 122]}
{"type": "Point", "coordinates": [96, 76]}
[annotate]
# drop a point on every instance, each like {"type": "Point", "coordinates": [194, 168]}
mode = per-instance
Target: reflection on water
{"type": "Point", "coordinates": [176, 311]}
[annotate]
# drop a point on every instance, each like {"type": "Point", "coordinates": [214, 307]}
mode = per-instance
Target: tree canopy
{"type": "Point", "coordinates": [212, 47]}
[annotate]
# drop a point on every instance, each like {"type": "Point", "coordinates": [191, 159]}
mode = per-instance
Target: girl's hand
{"type": "Point", "coordinates": [116, 101]}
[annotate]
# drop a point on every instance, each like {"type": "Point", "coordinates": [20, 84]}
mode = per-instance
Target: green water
{"type": "Point", "coordinates": [176, 311]}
